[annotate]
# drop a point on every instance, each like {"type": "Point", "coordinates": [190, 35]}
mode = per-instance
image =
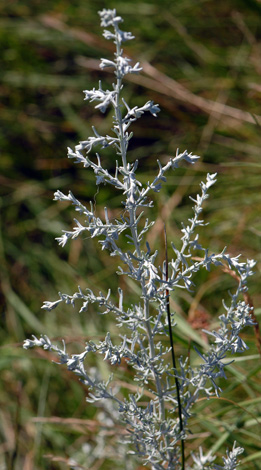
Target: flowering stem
{"type": "Point", "coordinates": [123, 143]}
{"type": "Point", "coordinates": [123, 149]}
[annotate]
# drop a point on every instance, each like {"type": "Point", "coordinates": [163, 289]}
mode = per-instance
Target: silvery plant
{"type": "Point", "coordinates": [157, 415]}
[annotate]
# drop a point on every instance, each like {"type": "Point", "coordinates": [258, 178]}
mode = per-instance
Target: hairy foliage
{"type": "Point", "coordinates": [157, 426]}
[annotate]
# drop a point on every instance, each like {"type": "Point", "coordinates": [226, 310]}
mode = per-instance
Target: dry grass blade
{"type": "Point", "coordinates": [178, 91]}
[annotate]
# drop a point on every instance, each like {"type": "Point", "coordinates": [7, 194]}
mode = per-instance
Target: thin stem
{"type": "Point", "coordinates": [173, 354]}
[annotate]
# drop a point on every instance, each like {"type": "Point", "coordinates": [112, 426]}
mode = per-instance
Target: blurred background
{"type": "Point", "coordinates": [201, 64]}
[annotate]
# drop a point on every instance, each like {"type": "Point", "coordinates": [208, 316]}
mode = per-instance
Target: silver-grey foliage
{"type": "Point", "coordinates": [154, 429]}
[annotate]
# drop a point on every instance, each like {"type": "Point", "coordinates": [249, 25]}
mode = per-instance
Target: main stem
{"type": "Point", "coordinates": [133, 225]}
{"type": "Point", "coordinates": [123, 148]}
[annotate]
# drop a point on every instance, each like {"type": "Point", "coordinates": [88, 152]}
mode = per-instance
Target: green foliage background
{"type": "Point", "coordinates": [204, 72]}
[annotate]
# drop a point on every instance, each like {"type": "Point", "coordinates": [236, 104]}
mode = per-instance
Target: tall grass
{"type": "Point", "coordinates": [45, 69]}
